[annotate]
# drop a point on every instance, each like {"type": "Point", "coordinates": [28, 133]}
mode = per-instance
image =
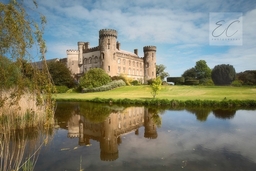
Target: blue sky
{"type": "Point", "coordinates": [179, 29]}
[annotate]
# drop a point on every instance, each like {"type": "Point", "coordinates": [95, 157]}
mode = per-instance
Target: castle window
{"type": "Point", "coordinates": [147, 64]}
{"type": "Point", "coordinates": [152, 56]}
{"type": "Point", "coordinates": [72, 62]}
{"type": "Point", "coordinates": [90, 60]}
{"type": "Point", "coordinates": [137, 72]}
{"type": "Point", "coordinates": [96, 59]}
{"type": "Point", "coordinates": [133, 72]}
{"type": "Point", "coordinates": [140, 65]}
{"type": "Point", "coordinates": [124, 61]}
{"type": "Point", "coordinates": [123, 69]}
{"type": "Point", "coordinates": [108, 43]}
{"type": "Point", "coordinates": [108, 68]}
{"type": "Point", "coordinates": [85, 61]}
{"type": "Point", "coordinates": [129, 71]}
{"type": "Point", "coordinates": [114, 56]}
{"type": "Point", "coordinates": [119, 69]}
{"type": "Point", "coordinates": [85, 69]}
{"type": "Point", "coordinates": [118, 61]}
{"type": "Point", "coordinates": [133, 63]}
{"type": "Point", "coordinates": [152, 74]}
{"type": "Point", "coordinates": [129, 63]}
{"type": "Point", "coordinates": [137, 64]}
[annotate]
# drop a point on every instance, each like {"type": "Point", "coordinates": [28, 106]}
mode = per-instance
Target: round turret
{"type": "Point", "coordinates": [149, 62]}
{"type": "Point", "coordinates": [149, 48]}
{"type": "Point", "coordinates": [107, 47]}
{"type": "Point", "coordinates": [107, 33]}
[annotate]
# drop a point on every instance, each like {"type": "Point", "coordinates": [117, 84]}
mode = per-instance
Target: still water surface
{"type": "Point", "coordinates": [103, 137]}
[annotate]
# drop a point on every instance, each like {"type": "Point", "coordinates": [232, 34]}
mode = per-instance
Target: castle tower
{"type": "Point", "coordinates": [149, 62]}
{"type": "Point", "coordinates": [72, 61]}
{"type": "Point", "coordinates": [108, 139]}
{"type": "Point", "coordinates": [150, 126]}
{"type": "Point", "coordinates": [107, 46]}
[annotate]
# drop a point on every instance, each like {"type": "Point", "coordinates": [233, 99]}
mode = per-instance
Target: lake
{"type": "Point", "coordinates": [110, 137]}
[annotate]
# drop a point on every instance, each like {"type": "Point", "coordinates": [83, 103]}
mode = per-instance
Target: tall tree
{"type": "Point", "coordinates": [223, 74]}
{"type": "Point", "coordinates": [19, 32]}
{"type": "Point", "coordinates": [190, 74]}
{"type": "Point", "coordinates": [202, 70]}
{"type": "Point", "coordinates": [60, 74]}
{"type": "Point", "coordinates": [160, 72]}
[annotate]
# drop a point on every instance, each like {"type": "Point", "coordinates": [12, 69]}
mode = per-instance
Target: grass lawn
{"type": "Point", "coordinates": [169, 92]}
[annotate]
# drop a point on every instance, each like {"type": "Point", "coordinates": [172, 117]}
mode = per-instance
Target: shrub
{"type": "Point", "coordinates": [95, 77]}
{"type": "Point", "coordinates": [61, 89]}
{"type": "Point", "coordinates": [135, 82]}
{"type": "Point", "coordinates": [109, 86]}
{"type": "Point", "coordinates": [237, 83]}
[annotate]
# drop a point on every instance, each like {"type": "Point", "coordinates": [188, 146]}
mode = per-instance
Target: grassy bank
{"type": "Point", "coordinates": [183, 93]}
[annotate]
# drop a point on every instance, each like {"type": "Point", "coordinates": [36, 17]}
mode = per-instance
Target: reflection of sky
{"type": "Point", "coordinates": [181, 138]}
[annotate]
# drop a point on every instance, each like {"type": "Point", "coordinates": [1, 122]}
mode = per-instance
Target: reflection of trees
{"type": "Point", "coordinates": [201, 113]}
{"type": "Point", "coordinates": [224, 113]}
{"type": "Point", "coordinates": [154, 112]}
{"type": "Point", "coordinates": [94, 112]}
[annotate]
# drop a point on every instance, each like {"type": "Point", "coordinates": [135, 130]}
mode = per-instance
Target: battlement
{"type": "Point", "coordinates": [107, 32]}
{"type": "Point", "coordinates": [149, 48]}
{"type": "Point", "coordinates": [73, 135]}
{"type": "Point", "coordinates": [72, 52]}
{"type": "Point", "coordinates": [93, 49]}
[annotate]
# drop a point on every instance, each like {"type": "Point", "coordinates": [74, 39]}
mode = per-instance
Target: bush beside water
{"type": "Point", "coordinates": [176, 103]}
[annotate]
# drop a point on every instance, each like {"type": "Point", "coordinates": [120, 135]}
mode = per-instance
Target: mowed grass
{"type": "Point", "coordinates": [168, 92]}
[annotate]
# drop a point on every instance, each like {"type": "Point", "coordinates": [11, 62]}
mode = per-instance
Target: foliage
{"type": "Point", "coordinates": [237, 83]}
{"type": "Point", "coordinates": [19, 33]}
{"type": "Point", "coordinates": [122, 77]}
{"type": "Point", "coordinates": [176, 80]}
{"type": "Point", "coordinates": [200, 72]}
{"type": "Point", "coordinates": [247, 77]}
{"type": "Point", "coordinates": [95, 77]}
{"type": "Point", "coordinates": [61, 89]}
{"type": "Point", "coordinates": [192, 82]}
{"type": "Point", "coordinates": [156, 86]}
{"type": "Point", "coordinates": [109, 86]}
{"type": "Point", "coordinates": [223, 74]}
{"type": "Point", "coordinates": [189, 74]}
{"type": "Point", "coordinates": [135, 82]}
{"type": "Point", "coordinates": [160, 72]}
{"type": "Point", "coordinates": [60, 74]}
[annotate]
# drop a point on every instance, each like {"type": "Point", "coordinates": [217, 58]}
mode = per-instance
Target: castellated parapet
{"type": "Point", "coordinates": [149, 48]}
{"type": "Point", "coordinates": [107, 32]}
{"type": "Point", "coordinates": [72, 52]}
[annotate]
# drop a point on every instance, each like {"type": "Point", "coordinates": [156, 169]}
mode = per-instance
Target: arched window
{"type": "Point", "coordinates": [90, 60]}
{"type": "Point", "coordinates": [96, 59]}
{"type": "Point", "coordinates": [118, 60]}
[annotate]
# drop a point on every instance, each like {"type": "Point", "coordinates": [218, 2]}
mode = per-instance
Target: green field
{"type": "Point", "coordinates": [217, 93]}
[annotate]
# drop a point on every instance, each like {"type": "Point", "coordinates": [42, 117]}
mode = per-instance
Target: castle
{"type": "Point", "coordinates": [110, 131]}
{"type": "Point", "coordinates": [114, 61]}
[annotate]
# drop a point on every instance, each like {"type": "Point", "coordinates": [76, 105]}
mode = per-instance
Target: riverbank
{"type": "Point", "coordinates": [174, 95]}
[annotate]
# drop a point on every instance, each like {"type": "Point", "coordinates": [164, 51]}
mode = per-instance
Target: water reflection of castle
{"type": "Point", "coordinates": [108, 133]}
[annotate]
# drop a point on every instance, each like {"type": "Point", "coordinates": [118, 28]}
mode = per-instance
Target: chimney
{"type": "Point", "coordinates": [118, 45]}
{"type": "Point", "coordinates": [136, 51]}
